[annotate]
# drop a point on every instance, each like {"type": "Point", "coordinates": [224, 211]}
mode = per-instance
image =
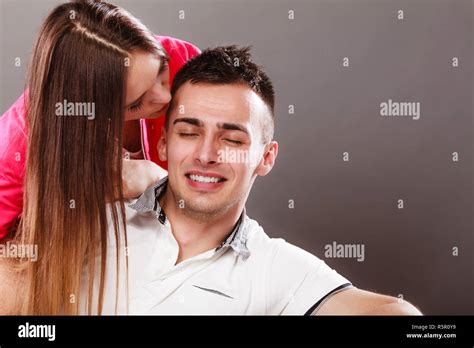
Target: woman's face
{"type": "Point", "coordinates": [148, 90]}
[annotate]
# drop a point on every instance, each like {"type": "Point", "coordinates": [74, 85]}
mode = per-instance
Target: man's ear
{"type": "Point", "coordinates": [162, 145]}
{"type": "Point", "coordinates": [269, 157]}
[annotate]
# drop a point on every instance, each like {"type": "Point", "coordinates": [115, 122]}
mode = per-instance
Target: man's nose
{"type": "Point", "coordinates": [207, 152]}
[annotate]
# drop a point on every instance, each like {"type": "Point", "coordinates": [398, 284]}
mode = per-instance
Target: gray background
{"type": "Point", "coordinates": [407, 252]}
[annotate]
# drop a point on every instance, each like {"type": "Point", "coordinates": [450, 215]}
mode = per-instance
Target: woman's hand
{"type": "Point", "coordinates": [138, 175]}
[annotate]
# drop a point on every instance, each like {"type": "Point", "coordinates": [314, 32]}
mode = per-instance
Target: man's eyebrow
{"type": "Point", "coordinates": [190, 120]}
{"type": "Point", "coordinates": [233, 126]}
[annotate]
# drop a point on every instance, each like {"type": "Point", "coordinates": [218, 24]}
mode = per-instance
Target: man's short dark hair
{"type": "Point", "coordinates": [227, 65]}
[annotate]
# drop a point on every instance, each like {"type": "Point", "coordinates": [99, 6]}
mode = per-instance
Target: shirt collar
{"type": "Point", "coordinates": [149, 201]}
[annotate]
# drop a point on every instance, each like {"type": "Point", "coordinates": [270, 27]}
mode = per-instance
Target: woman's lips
{"type": "Point", "coordinates": [163, 109]}
{"type": "Point", "coordinates": [159, 112]}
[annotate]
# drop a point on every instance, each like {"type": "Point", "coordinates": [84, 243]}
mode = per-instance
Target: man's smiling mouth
{"type": "Point", "coordinates": [202, 179]}
{"type": "Point", "coordinates": [205, 179]}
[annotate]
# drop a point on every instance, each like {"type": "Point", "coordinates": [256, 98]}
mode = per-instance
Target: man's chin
{"type": "Point", "coordinates": [202, 212]}
{"type": "Point", "coordinates": [202, 203]}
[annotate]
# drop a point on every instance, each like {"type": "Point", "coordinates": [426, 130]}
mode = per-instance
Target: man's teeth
{"type": "Point", "coordinates": [204, 179]}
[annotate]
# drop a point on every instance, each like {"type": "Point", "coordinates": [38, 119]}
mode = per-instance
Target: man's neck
{"type": "Point", "coordinates": [195, 236]}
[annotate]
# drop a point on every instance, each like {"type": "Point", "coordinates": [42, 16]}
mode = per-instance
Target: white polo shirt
{"type": "Point", "coordinates": [250, 273]}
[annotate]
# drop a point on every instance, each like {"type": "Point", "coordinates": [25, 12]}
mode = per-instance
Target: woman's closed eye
{"type": "Point", "coordinates": [135, 106]}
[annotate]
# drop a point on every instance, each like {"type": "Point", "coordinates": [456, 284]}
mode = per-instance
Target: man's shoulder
{"type": "Point", "coordinates": [261, 244]}
{"type": "Point", "coordinates": [257, 240]}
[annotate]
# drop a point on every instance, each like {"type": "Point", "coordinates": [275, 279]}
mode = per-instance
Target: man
{"type": "Point", "coordinates": [191, 247]}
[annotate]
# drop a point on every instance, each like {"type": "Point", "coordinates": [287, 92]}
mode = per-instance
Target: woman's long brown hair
{"type": "Point", "coordinates": [74, 163]}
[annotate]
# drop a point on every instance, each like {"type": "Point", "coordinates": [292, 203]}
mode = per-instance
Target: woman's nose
{"type": "Point", "coordinates": [161, 94]}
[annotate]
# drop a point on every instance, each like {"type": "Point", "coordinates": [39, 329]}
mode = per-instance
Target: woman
{"type": "Point", "coordinates": [92, 54]}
